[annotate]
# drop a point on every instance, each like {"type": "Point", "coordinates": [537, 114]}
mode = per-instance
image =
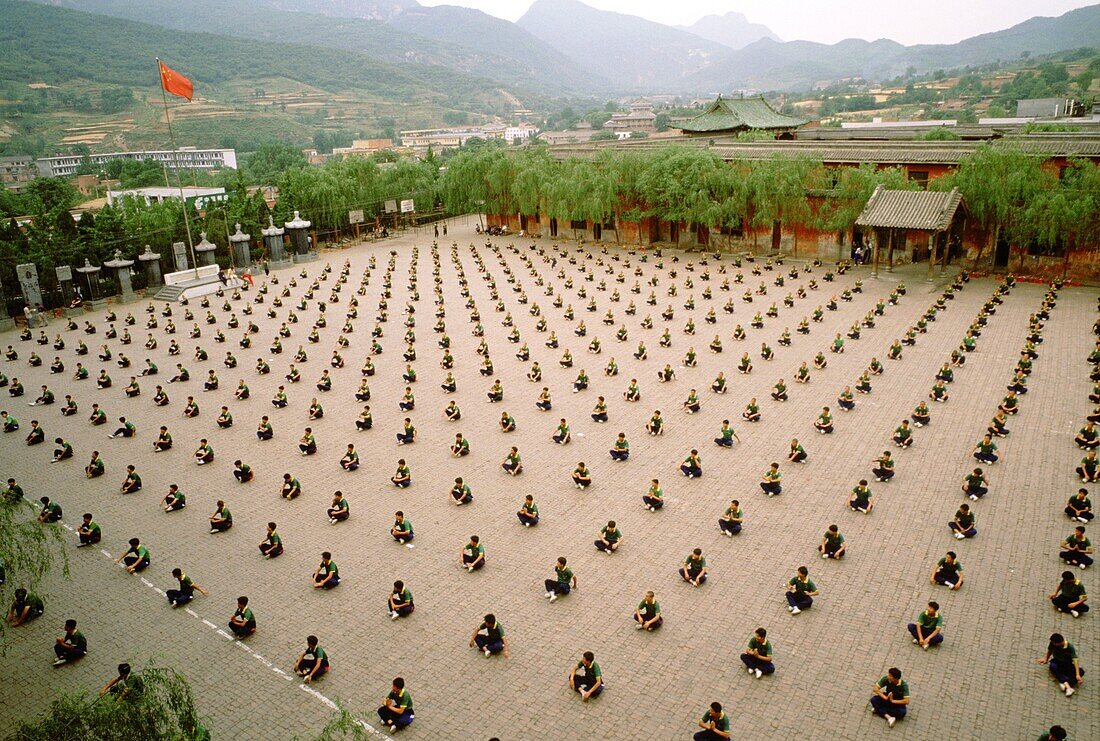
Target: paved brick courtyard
{"type": "Point", "coordinates": [982, 682]}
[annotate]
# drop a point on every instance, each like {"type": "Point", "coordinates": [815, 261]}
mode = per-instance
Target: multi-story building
{"type": "Point", "coordinates": [640, 118]}
{"type": "Point", "coordinates": [17, 171]}
{"type": "Point", "coordinates": [159, 193]}
{"type": "Point", "coordinates": [188, 158]}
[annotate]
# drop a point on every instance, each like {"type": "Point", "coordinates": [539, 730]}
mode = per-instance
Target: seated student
{"type": "Point", "coordinates": [243, 622]}
{"type": "Point", "coordinates": [459, 449]}
{"type": "Point", "coordinates": [620, 451]}
{"type": "Point", "coordinates": [402, 530]}
{"type": "Point", "coordinates": [770, 483]}
{"type": "Point", "coordinates": [779, 391]}
{"type": "Point", "coordinates": [160, 398]}
{"type": "Point", "coordinates": [694, 570]}
{"type": "Point", "coordinates": [365, 420]}
{"type": "Point", "coordinates": [1079, 506]}
{"type": "Point", "coordinates": [891, 697]}
{"type": "Point", "coordinates": [242, 472]}
{"type": "Point", "coordinates": [95, 467]}
{"type": "Point", "coordinates": [1089, 470]}
{"type": "Point", "coordinates": [986, 451]}
{"type": "Point", "coordinates": [560, 436]}
{"type": "Point", "coordinates": [36, 435]}
{"type": "Point", "coordinates": [174, 500]}
{"type": "Point", "coordinates": [832, 544]}
{"type": "Point", "coordinates": [452, 412]}
{"type": "Point", "coordinates": [863, 384]}
{"type": "Point", "coordinates": [264, 431]}
{"type": "Point", "coordinates": [586, 677]}
{"type": "Point", "coordinates": [72, 646]}
{"type": "Point", "coordinates": [797, 453]}
{"type": "Point", "coordinates": [132, 482]}
{"type": "Point", "coordinates": [824, 422]}
{"type": "Point", "coordinates": [800, 591]}
{"type": "Point", "coordinates": [528, 512]}
{"type": "Point", "coordinates": [242, 391]}
{"type": "Point", "coordinates": [45, 398]}
{"type": "Point", "coordinates": [610, 538]}
{"type": "Point", "coordinates": [291, 488]}
{"type": "Point", "coordinates": [489, 637]}
{"type": "Point", "coordinates": [313, 662]}
{"type": "Point", "coordinates": [472, 555]}
{"type": "Point", "coordinates": [307, 443]}
{"type": "Point", "coordinates": [544, 402]}
{"type": "Point", "coordinates": [50, 512]}
{"type": "Point", "coordinates": [205, 453]}
{"type": "Point", "coordinates": [338, 511]}
{"type": "Point", "coordinates": [963, 523]}
{"type": "Point", "coordinates": [921, 415]}
{"type": "Point", "coordinates": [884, 471]}
{"type": "Point", "coordinates": [211, 382]}
{"type": "Point", "coordinates": [89, 532]}
{"type": "Point", "coordinates": [692, 467]}
{"type": "Point", "coordinates": [25, 607]}
{"type": "Point", "coordinates": [70, 405]}
{"type": "Point", "coordinates": [998, 426]}
{"type": "Point", "coordinates": [948, 572]}
{"type": "Point", "coordinates": [862, 500]}
{"type": "Point", "coordinates": [400, 603]}
{"type": "Point", "coordinates": [692, 404]}
{"type": "Point", "coordinates": [726, 435]}
{"type": "Point", "coordinates": [403, 477]}
{"type": "Point", "coordinates": [758, 656]}
{"type": "Point", "coordinates": [460, 492]}
{"type": "Point", "coordinates": [648, 614]}
{"type": "Point", "coordinates": [327, 574]}
{"type": "Point", "coordinates": [191, 409]}
{"type": "Point", "coordinates": [903, 435]}
{"type": "Point", "coordinates": [396, 711]}
{"type": "Point", "coordinates": [16, 388]}
{"type": "Point", "coordinates": [135, 558]}
{"type": "Point", "coordinates": [163, 441]}
{"type": "Point", "coordinates": [975, 484]}
{"type": "Point", "coordinates": [927, 631]}
{"type": "Point", "coordinates": [225, 419]}
{"type": "Point", "coordinates": [11, 424]}
{"type": "Point", "coordinates": [731, 522]}
{"type": "Point", "coordinates": [1077, 549]}
{"type": "Point", "coordinates": [272, 544]}
{"type": "Point", "coordinates": [563, 583]}
{"type": "Point", "coordinates": [1069, 596]}
{"type": "Point", "coordinates": [222, 519]}
{"type": "Point", "coordinates": [581, 383]}
{"type": "Point", "coordinates": [186, 591]}
{"type": "Point", "coordinates": [582, 477]}
{"type": "Point", "coordinates": [350, 461]}
{"type": "Point", "coordinates": [496, 392]}
{"type": "Point", "coordinates": [280, 401]}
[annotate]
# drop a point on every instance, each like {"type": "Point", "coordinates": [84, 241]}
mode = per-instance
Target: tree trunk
{"type": "Point", "coordinates": [993, 241]}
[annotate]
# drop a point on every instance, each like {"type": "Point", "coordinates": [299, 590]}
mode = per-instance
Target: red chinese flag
{"type": "Point", "coordinates": [175, 83]}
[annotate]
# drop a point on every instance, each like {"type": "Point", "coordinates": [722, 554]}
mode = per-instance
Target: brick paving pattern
{"type": "Point", "coordinates": [983, 681]}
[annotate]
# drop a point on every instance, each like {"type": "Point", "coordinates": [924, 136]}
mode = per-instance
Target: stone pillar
{"type": "Point", "coordinates": [65, 282]}
{"type": "Point", "coordinates": [91, 275]}
{"type": "Point", "coordinates": [298, 231]}
{"type": "Point", "coordinates": [273, 243]}
{"type": "Point", "coordinates": [179, 251]}
{"type": "Point", "coordinates": [126, 289]}
{"type": "Point", "coordinates": [150, 261]}
{"type": "Point", "coordinates": [204, 251]}
{"type": "Point", "coordinates": [239, 248]}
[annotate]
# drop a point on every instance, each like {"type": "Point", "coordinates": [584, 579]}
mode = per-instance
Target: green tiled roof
{"type": "Point", "coordinates": [737, 114]}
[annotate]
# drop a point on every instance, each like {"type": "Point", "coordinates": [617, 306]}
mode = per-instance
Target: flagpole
{"type": "Point", "coordinates": [176, 165]}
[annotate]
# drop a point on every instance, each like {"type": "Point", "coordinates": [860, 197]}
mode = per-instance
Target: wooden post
{"type": "Point", "coordinates": [890, 252]}
{"type": "Point", "coordinates": [933, 239]}
{"type": "Point", "coordinates": [879, 234]}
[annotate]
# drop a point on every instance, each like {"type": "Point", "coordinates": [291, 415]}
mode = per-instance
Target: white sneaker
{"type": "Point", "coordinates": [915, 641]}
{"type": "Point", "coordinates": [548, 594]}
{"type": "Point", "coordinates": [527, 524]}
{"type": "Point", "coordinates": [553, 597]}
{"type": "Point", "coordinates": [790, 609]}
{"type": "Point", "coordinates": [795, 610]}
{"type": "Point", "coordinates": [824, 555]}
{"type": "Point", "coordinates": [924, 646]}
{"type": "Point", "coordinates": [1070, 691]}
{"type": "Point", "coordinates": [974, 497]}
{"type": "Point", "coordinates": [486, 652]}
{"type": "Point", "coordinates": [59, 662]}
{"type": "Point", "coordinates": [758, 673]}
{"type": "Point", "coordinates": [890, 721]}
{"type": "Point", "coordinates": [638, 626]}
{"type": "Point", "coordinates": [959, 536]}
{"type": "Point", "coordinates": [1075, 613]}
{"type": "Point", "coordinates": [394, 615]}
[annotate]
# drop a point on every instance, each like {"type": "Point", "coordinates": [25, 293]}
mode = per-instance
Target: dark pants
{"type": "Point", "coordinates": [69, 654]}
{"type": "Point", "coordinates": [620, 455]}
{"type": "Point", "coordinates": [688, 576]}
{"type": "Point", "coordinates": [653, 502]}
{"type": "Point", "coordinates": [221, 527]}
{"type": "Point", "coordinates": [692, 471]}
{"type": "Point", "coordinates": [179, 597]}
{"type": "Point", "coordinates": [989, 458]}
{"type": "Point", "coordinates": [141, 565]}
{"type": "Point", "coordinates": [363, 424]}
{"type": "Point", "coordinates": [728, 526]}
{"type": "Point", "coordinates": [243, 477]}
{"type": "Point", "coordinates": [721, 441]}
{"type": "Point", "coordinates": [707, 735]}
{"type": "Point", "coordinates": [771, 487]}
{"type": "Point", "coordinates": [885, 707]}
{"type": "Point", "coordinates": [390, 718]}
{"type": "Point", "coordinates": [1062, 603]}
{"type": "Point", "coordinates": [752, 662]}
{"type": "Point", "coordinates": [883, 473]}
{"type": "Point", "coordinates": [919, 633]}
{"type": "Point", "coordinates": [484, 642]}
{"type": "Point", "coordinates": [1079, 515]}
{"type": "Point", "coordinates": [557, 587]}
{"type": "Point", "coordinates": [271, 550]}
{"type": "Point", "coordinates": [803, 602]}
{"type": "Point", "coordinates": [1076, 558]}
{"type": "Point", "coordinates": [1064, 674]}
{"type": "Point", "coordinates": [403, 611]}
{"type": "Point", "coordinates": [602, 546]}
{"type": "Point", "coordinates": [528, 519]}
{"type": "Point", "coordinates": [976, 491]}
{"type": "Point", "coordinates": [90, 539]}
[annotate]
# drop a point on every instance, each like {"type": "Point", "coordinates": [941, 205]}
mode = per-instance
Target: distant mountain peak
{"type": "Point", "coordinates": [732, 29]}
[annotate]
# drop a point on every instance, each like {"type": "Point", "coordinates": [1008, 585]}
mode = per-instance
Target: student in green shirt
{"type": "Point", "coordinates": [1076, 549]}
{"type": "Point", "coordinates": [186, 591]}
{"type": "Point", "coordinates": [986, 451]}
{"type": "Point", "coordinates": [338, 511]}
{"type": "Point", "coordinates": [927, 629]}
{"type": "Point", "coordinates": [563, 583]}
{"type": "Point", "coordinates": [489, 637]}
{"type": "Point", "coordinates": [397, 709]}
{"type": "Point", "coordinates": [582, 477]}
{"type": "Point", "coordinates": [132, 482]}
{"type": "Point", "coordinates": [1089, 470]}
{"type": "Point", "coordinates": [800, 591]}
{"type": "Point", "coordinates": [400, 601]}
{"type": "Point", "coordinates": [243, 622]}
{"type": "Point", "coordinates": [11, 424]}
{"type": "Point", "coordinates": [1061, 659]}
{"type": "Point", "coordinates": [472, 555]}
{"type": "Point", "coordinates": [222, 519]}
{"type": "Point", "coordinates": [561, 434]}
{"type": "Point", "coordinates": [26, 607]}
{"type": "Point", "coordinates": [163, 441]}
{"type": "Point", "coordinates": [174, 500]}
{"type": "Point", "coordinates": [1079, 506]}
{"type": "Point", "coordinates": [648, 615]}
{"type": "Point", "coordinates": [13, 493]}
{"type": "Point", "coordinates": [402, 530]}
{"type": "Point", "coordinates": [327, 574]}
{"type": "Point", "coordinates": [832, 544]}
{"type": "Point", "coordinates": [884, 471]}
{"type": "Point", "coordinates": [225, 419]}
{"type": "Point", "coordinates": [460, 492]}
{"type": "Point", "coordinates": [313, 662]}
{"type": "Point", "coordinates": [731, 522]}
{"type": "Point", "coordinates": [135, 558]}
{"type": "Point", "coordinates": [620, 451]}
{"type": "Point", "coordinates": [402, 478]}
{"type": "Point", "coordinates": [656, 424]}
{"type": "Point", "coordinates": [726, 435]}
{"type": "Point", "coordinates": [963, 524]}
{"type": "Point", "coordinates": [307, 443]}
{"type": "Point", "coordinates": [528, 512]}
{"type": "Point", "coordinates": [50, 512]}
{"type": "Point", "coordinates": [95, 468]}
{"type": "Point", "coordinates": [586, 677]}
{"type": "Point", "coordinates": [797, 453]}
{"type": "Point", "coordinates": [1069, 596]}
{"type": "Point", "coordinates": [862, 500]}
{"type": "Point", "coordinates": [948, 572]}
{"type": "Point", "coordinates": [758, 656]}
{"type": "Point", "coordinates": [272, 545]}
{"type": "Point", "coordinates": [692, 467]}
{"type": "Point", "coordinates": [204, 453]}
{"type": "Point", "coordinates": [610, 538]}
{"type": "Point", "coordinates": [1056, 733]}
{"type": "Point", "coordinates": [891, 697]}
{"type": "Point", "coordinates": [694, 570]}
{"type": "Point", "coordinates": [770, 483]}
{"type": "Point", "coordinates": [975, 484]}
{"type": "Point", "coordinates": [71, 646]}
{"type": "Point", "coordinates": [653, 499]}
{"type": "Point", "coordinates": [291, 488]}
{"type": "Point", "coordinates": [242, 472]}
{"type": "Point", "coordinates": [89, 532]}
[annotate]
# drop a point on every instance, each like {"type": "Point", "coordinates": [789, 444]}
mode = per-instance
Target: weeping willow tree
{"type": "Point", "coordinates": [29, 550]}
{"type": "Point", "coordinates": [156, 704]}
{"type": "Point", "coordinates": [844, 192]}
{"type": "Point", "coordinates": [778, 193]}
{"type": "Point", "coordinates": [1065, 215]}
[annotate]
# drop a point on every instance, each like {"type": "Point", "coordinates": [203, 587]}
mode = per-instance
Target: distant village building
{"type": "Point", "coordinates": [640, 118]}
{"type": "Point", "coordinates": [364, 147]}
{"type": "Point", "coordinates": [17, 171]}
{"type": "Point", "coordinates": [522, 132]}
{"type": "Point", "coordinates": [1044, 107]}
{"type": "Point", "coordinates": [160, 194]}
{"type": "Point", "coordinates": [729, 117]}
{"type": "Point", "coordinates": [446, 138]}
{"type": "Point", "coordinates": [189, 158]}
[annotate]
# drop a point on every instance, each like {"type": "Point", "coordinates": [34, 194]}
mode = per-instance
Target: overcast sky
{"type": "Point", "coordinates": [829, 21]}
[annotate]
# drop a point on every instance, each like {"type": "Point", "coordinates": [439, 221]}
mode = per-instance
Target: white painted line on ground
{"type": "Point", "coordinates": [105, 553]}
{"type": "Point", "coordinates": [148, 583]}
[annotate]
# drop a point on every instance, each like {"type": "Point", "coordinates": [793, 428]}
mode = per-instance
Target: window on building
{"type": "Point", "coordinates": [920, 177]}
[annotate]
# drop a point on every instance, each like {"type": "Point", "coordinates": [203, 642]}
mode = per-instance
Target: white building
{"type": "Point", "coordinates": [521, 132]}
{"type": "Point", "coordinates": [159, 193]}
{"type": "Point", "coordinates": [189, 158]}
